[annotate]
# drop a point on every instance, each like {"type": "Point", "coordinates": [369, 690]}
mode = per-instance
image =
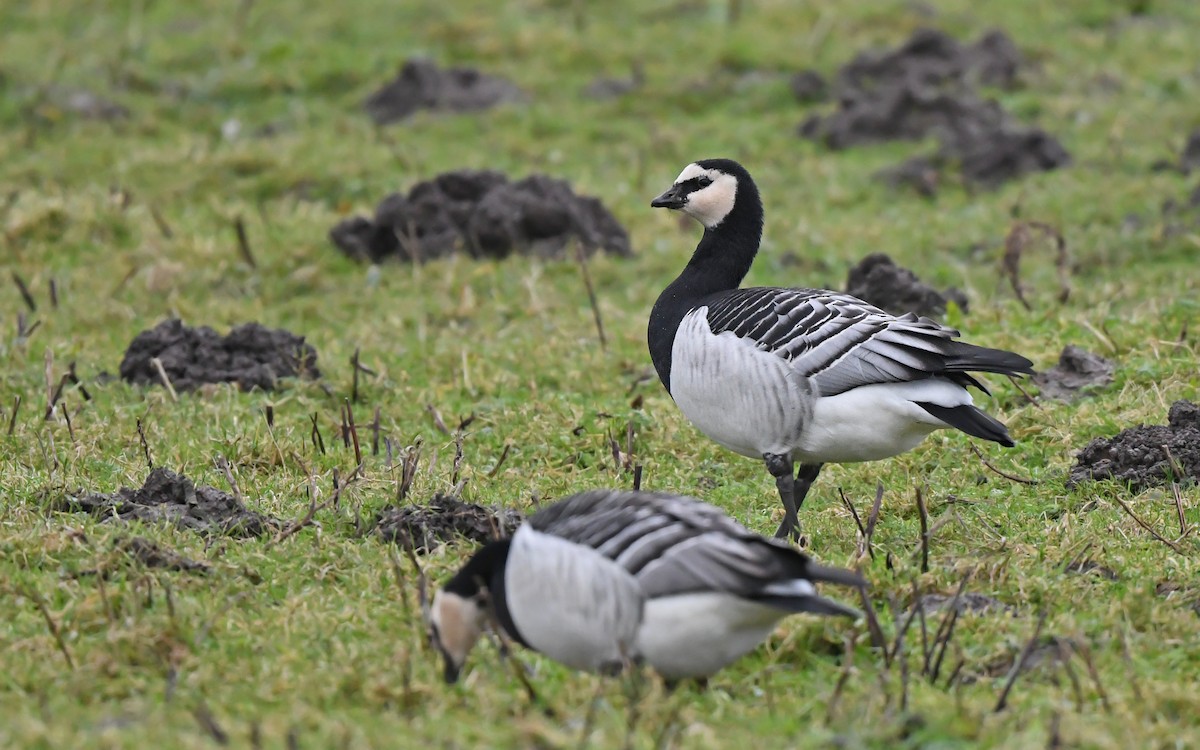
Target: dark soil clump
{"type": "Point", "coordinates": [1077, 371]}
{"type": "Point", "coordinates": [445, 519]}
{"type": "Point", "coordinates": [485, 215]}
{"type": "Point", "coordinates": [878, 280]}
{"type": "Point", "coordinates": [251, 356]}
{"type": "Point", "coordinates": [926, 87]}
{"type": "Point", "coordinates": [1139, 456]}
{"type": "Point", "coordinates": [421, 84]}
{"type": "Point", "coordinates": [173, 498]}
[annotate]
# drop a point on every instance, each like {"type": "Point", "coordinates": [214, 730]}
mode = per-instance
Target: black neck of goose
{"type": "Point", "coordinates": [487, 561]}
{"type": "Point", "coordinates": [719, 263]}
{"type": "Point", "coordinates": [486, 568]}
{"type": "Point", "coordinates": [726, 252]}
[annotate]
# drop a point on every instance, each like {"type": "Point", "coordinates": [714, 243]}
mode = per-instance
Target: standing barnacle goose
{"type": "Point", "coordinates": [804, 376]}
{"type": "Point", "coordinates": [608, 577]}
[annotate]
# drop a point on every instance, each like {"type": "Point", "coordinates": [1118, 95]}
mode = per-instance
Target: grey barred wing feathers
{"type": "Point", "coordinates": [612, 521]}
{"type": "Point", "coordinates": [715, 562]}
{"type": "Point", "coordinates": [672, 544]}
{"type": "Point", "coordinates": [837, 341]}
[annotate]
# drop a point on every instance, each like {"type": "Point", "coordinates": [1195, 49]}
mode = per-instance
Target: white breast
{"type": "Point", "coordinates": [571, 603]}
{"type": "Point", "coordinates": [745, 399]}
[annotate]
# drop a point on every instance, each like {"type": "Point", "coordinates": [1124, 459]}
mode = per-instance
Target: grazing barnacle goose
{"type": "Point", "coordinates": [806, 376]}
{"type": "Point", "coordinates": [606, 578]}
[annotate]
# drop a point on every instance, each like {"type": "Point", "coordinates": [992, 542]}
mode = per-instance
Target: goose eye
{"type": "Point", "coordinates": [704, 181]}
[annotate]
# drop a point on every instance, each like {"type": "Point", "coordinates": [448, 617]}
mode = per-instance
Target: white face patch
{"type": "Point", "coordinates": [710, 204]}
{"type": "Point", "coordinates": [456, 625]}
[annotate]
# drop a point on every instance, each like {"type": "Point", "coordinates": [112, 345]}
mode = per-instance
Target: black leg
{"type": "Point", "coordinates": [781, 468]}
{"type": "Point", "coordinates": [805, 476]}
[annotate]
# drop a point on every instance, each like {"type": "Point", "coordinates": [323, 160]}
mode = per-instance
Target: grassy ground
{"type": "Point", "coordinates": [311, 642]}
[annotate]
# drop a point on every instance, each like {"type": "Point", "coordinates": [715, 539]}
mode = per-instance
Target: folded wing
{"type": "Point", "coordinates": [677, 545]}
{"type": "Point", "coordinates": [841, 342]}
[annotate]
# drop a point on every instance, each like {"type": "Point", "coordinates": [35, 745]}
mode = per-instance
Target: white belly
{"type": "Point", "coordinates": [873, 422]}
{"type": "Point", "coordinates": [695, 635]}
{"type": "Point", "coordinates": [747, 400]}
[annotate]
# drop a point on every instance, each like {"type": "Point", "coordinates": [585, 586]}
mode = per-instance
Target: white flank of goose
{"type": "Point", "coordinates": [606, 578]}
{"type": "Point", "coordinates": [801, 376]}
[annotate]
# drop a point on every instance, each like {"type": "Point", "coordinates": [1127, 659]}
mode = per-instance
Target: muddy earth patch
{"type": "Point", "coordinates": [878, 280]}
{"type": "Point", "coordinates": [484, 214]}
{"type": "Point", "coordinates": [926, 87]}
{"type": "Point", "coordinates": [1147, 455]}
{"type": "Point", "coordinates": [421, 84]}
{"type": "Point", "coordinates": [445, 520]}
{"type": "Point", "coordinates": [252, 356]}
{"type": "Point", "coordinates": [167, 497]}
{"type": "Point", "coordinates": [1077, 373]}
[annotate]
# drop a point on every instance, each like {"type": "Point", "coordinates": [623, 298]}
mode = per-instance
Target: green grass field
{"type": "Point", "coordinates": [311, 641]}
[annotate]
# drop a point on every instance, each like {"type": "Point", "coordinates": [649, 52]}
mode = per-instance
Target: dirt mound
{"type": "Point", "coordinates": [421, 84]}
{"type": "Point", "coordinates": [173, 498]}
{"type": "Point", "coordinates": [878, 280]}
{"type": "Point", "coordinates": [908, 92]}
{"type": "Point", "coordinates": [1077, 370]}
{"type": "Point", "coordinates": [927, 87]}
{"type": "Point", "coordinates": [251, 356]}
{"type": "Point", "coordinates": [484, 214]}
{"type": "Point", "coordinates": [445, 519]}
{"type": "Point", "coordinates": [1147, 455]}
